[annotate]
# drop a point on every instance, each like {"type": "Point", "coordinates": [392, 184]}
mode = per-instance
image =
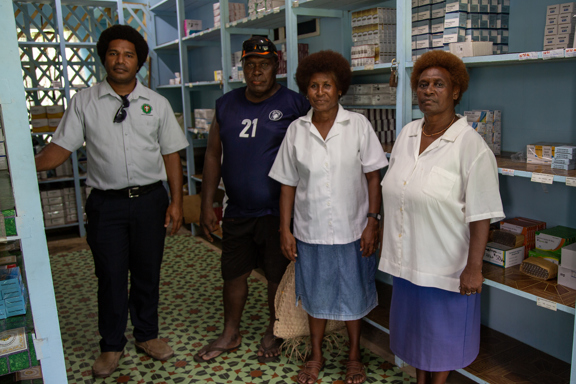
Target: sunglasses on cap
{"type": "Point", "coordinates": [259, 47]}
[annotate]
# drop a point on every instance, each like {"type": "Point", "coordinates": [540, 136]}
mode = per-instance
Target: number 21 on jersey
{"type": "Point", "coordinates": [247, 125]}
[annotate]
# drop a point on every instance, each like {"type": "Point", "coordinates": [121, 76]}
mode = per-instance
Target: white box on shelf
{"type": "Point", "coordinates": [552, 20]}
{"type": "Point", "coordinates": [472, 48]}
{"type": "Point", "coordinates": [455, 20]}
{"type": "Point", "coordinates": [502, 255]}
{"type": "Point", "coordinates": [568, 258]}
{"type": "Point", "coordinates": [567, 8]}
{"type": "Point", "coordinates": [454, 35]}
{"type": "Point", "coordinates": [550, 30]}
{"type": "Point", "coordinates": [567, 277]}
{"type": "Point", "coordinates": [553, 9]}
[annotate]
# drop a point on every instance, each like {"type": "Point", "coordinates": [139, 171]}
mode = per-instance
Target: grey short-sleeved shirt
{"type": "Point", "coordinates": [123, 154]}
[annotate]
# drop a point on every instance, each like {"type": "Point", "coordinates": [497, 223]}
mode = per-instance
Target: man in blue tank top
{"type": "Point", "coordinates": [244, 139]}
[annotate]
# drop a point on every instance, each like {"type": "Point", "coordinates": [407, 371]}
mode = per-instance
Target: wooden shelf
{"type": "Point", "coordinates": [515, 282]}
{"type": "Point", "coordinates": [526, 170]}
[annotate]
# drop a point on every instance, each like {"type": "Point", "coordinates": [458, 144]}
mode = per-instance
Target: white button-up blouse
{"type": "Point", "coordinates": [331, 199]}
{"type": "Point", "coordinates": [429, 201]}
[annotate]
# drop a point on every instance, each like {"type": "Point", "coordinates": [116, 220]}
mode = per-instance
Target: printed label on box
{"type": "Point", "coordinates": [571, 181]}
{"type": "Point", "coordinates": [542, 178]}
{"type": "Point", "coordinates": [528, 56]}
{"type": "Point", "coordinates": [546, 304]}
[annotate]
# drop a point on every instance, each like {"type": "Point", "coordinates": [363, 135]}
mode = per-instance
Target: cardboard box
{"type": "Point", "coordinates": [568, 256]}
{"type": "Point", "coordinates": [567, 8]}
{"type": "Point", "coordinates": [454, 35]}
{"type": "Point", "coordinates": [553, 239]}
{"type": "Point", "coordinates": [526, 227]}
{"type": "Point", "coordinates": [472, 48]}
{"type": "Point", "coordinates": [192, 26]}
{"type": "Point", "coordinates": [502, 255]}
{"type": "Point", "coordinates": [456, 6]}
{"type": "Point", "coordinates": [567, 277]}
{"type": "Point", "coordinates": [55, 111]}
{"type": "Point", "coordinates": [38, 112]}
{"type": "Point", "coordinates": [455, 20]}
{"type": "Point", "coordinates": [550, 256]}
{"type": "Point", "coordinates": [553, 9]}
{"type": "Point", "coordinates": [541, 153]}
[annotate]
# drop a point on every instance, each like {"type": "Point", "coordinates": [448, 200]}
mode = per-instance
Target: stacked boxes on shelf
{"type": "Point", "coordinates": [557, 155]}
{"type": "Point", "coordinates": [436, 24]}
{"type": "Point", "coordinates": [45, 118]}
{"type": "Point", "coordinates": [489, 125]}
{"type": "Point", "coordinates": [236, 11]}
{"type": "Point", "coordinates": [12, 292]}
{"type": "Point", "coordinates": [260, 6]}
{"type": "Point", "coordinates": [560, 23]}
{"type": "Point", "coordinates": [369, 94]}
{"type": "Point", "coordinates": [203, 119]}
{"type": "Point", "coordinates": [564, 158]}
{"type": "Point", "coordinates": [383, 121]}
{"type": "Point", "coordinates": [373, 36]}
{"type": "Point", "coordinates": [282, 61]}
{"type": "Point", "coordinates": [551, 241]}
{"type": "Point", "coordinates": [59, 206]}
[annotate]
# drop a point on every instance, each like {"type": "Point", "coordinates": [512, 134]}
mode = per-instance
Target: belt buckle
{"type": "Point", "coordinates": [134, 192]}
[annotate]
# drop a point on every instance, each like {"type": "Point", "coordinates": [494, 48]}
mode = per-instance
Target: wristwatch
{"type": "Point", "coordinates": [374, 215]}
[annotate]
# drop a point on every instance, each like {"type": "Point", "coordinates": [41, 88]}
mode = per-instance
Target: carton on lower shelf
{"type": "Point", "coordinates": [553, 239]}
{"type": "Point", "coordinates": [526, 227]}
{"type": "Point", "coordinates": [568, 256]}
{"type": "Point", "coordinates": [567, 277]}
{"type": "Point", "coordinates": [502, 255]}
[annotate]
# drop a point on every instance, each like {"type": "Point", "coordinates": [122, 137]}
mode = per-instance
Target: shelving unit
{"type": "Point", "coordinates": [53, 27]}
{"type": "Point", "coordinates": [495, 81]}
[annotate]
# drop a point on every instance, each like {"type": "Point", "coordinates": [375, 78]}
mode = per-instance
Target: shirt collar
{"type": "Point", "coordinates": [450, 135]}
{"type": "Point", "coordinates": [342, 116]}
{"type": "Point", "coordinates": [138, 91]}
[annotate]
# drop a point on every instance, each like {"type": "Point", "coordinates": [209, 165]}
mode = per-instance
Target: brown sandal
{"type": "Point", "coordinates": [355, 368]}
{"type": "Point", "coordinates": [312, 370]}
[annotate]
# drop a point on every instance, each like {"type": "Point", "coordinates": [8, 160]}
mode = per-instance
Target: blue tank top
{"type": "Point", "coordinates": [251, 134]}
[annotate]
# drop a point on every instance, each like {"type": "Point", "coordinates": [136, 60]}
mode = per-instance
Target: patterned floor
{"type": "Point", "coordinates": [190, 315]}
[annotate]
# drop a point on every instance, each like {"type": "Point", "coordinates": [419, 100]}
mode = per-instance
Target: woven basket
{"type": "Point", "coordinates": [291, 320]}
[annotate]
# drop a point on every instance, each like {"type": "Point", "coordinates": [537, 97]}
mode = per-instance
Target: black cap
{"type": "Point", "coordinates": [259, 46]}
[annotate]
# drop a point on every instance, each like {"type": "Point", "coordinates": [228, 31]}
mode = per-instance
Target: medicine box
{"type": "Point", "coordinates": [424, 2]}
{"type": "Point", "coordinates": [567, 19]}
{"type": "Point", "coordinates": [192, 26]}
{"type": "Point", "coordinates": [548, 255]}
{"type": "Point", "coordinates": [564, 29]}
{"type": "Point", "coordinates": [541, 153]}
{"type": "Point", "coordinates": [438, 10]}
{"type": "Point", "coordinates": [568, 256]}
{"type": "Point", "coordinates": [38, 112]}
{"type": "Point", "coordinates": [553, 239]}
{"type": "Point", "coordinates": [454, 35]}
{"type": "Point", "coordinates": [484, 6]}
{"type": "Point", "coordinates": [456, 6]}
{"type": "Point", "coordinates": [437, 25]}
{"type": "Point", "coordinates": [423, 41]}
{"type": "Point", "coordinates": [526, 227]}
{"type": "Point", "coordinates": [569, 8]}
{"type": "Point", "coordinates": [504, 6]}
{"type": "Point", "coordinates": [502, 255]}
{"type": "Point", "coordinates": [455, 20]}
{"type": "Point", "coordinates": [472, 48]}
{"type": "Point", "coordinates": [567, 277]}
{"type": "Point", "coordinates": [553, 10]}
{"type": "Point", "coordinates": [425, 12]}
{"type": "Point", "coordinates": [55, 111]}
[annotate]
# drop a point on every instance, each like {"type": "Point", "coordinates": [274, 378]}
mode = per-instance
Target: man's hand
{"type": "Point", "coordinates": [208, 222]}
{"type": "Point", "coordinates": [174, 214]}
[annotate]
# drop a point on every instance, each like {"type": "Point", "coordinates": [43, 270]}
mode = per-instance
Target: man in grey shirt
{"type": "Point", "coordinates": [132, 142]}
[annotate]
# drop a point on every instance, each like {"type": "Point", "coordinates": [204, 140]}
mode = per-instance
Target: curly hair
{"type": "Point", "coordinates": [450, 62]}
{"type": "Point", "coordinates": [122, 32]}
{"type": "Point", "coordinates": [324, 62]}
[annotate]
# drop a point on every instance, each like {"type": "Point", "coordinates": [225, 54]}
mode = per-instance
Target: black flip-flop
{"type": "Point", "coordinates": [200, 359]}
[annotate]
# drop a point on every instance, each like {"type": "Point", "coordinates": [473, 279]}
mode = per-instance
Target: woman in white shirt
{"type": "Point", "coordinates": [441, 193]}
{"type": "Point", "coordinates": [329, 165]}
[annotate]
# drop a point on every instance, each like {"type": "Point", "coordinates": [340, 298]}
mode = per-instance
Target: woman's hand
{"type": "Point", "coordinates": [369, 239]}
{"type": "Point", "coordinates": [288, 245]}
{"type": "Point", "coordinates": [471, 281]}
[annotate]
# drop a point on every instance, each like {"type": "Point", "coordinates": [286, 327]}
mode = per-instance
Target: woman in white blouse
{"type": "Point", "coordinates": [440, 195]}
{"type": "Point", "coordinates": [329, 165]}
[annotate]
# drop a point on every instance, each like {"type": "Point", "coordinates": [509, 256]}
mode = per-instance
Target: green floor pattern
{"type": "Point", "coordinates": [190, 315]}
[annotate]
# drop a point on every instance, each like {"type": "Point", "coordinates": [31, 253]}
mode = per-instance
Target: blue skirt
{"type": "Point", "coordinates": [335, 282]}
{"type": "Point", "coordinates": [432, 329]}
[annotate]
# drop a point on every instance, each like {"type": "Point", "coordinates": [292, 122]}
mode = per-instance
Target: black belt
{"type": "Point", "coordinates": [131, 192]}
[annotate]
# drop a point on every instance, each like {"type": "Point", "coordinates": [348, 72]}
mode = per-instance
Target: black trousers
{"type": "Point", "coordinates": [127, 234]}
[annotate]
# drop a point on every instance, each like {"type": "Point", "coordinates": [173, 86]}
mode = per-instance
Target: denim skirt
{"type": "Point", "coordinates": [335, 282]}
{"type": "Point", "coordinates": [432, 329]}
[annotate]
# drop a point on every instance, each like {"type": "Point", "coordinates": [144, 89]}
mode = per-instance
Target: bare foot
{"type": "Point", "coordinates": [217, 347]}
